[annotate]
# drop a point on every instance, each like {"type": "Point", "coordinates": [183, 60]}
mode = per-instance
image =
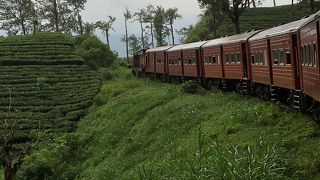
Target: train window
{"type": "Point", "coordinates": [214, 61]}
{"type": "Point", "coordinates": [232, 59]}
{"type": "Point", "coordinates": [261, 58]}
{"type": "Point", "coordinates": [179, 61]}
{"type": "Point", "coordinates": [275, 57]}
{"type": "Point", "coordinates": [253, 58]}
{"type": "Point", "coordinates": [194, 60]}
{"type": "Point", "coordinates": [238, 58]}
{"type": "Point", "coordinates": [219, 60]}
{"type": "Point", "coordinates": [308, 55]}
{"type": "Point", "coordinates": [303, 55]}
{"type": "Point", "coordinates": [281, 57]}
{"type": "Point", "coordinates": [312, 61]}
{"type": "Point", "coordinates": [227, 58]}
{"type": "Point", "coordinates": [315, 56]}
{"type": "Point", "coordinates": [265, 57]}
{"type": "Point", "coordinates": [288, 56]}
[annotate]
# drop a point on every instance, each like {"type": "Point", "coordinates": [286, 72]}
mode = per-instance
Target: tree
{"type": "Point", "coordinates": [94, 51]}
{"type": "Point", "coordinates": [62, 15]}
{"type": "Point", "coordinates": [234, 9]}
{"type": "Point", "coordinates": [172, 15]}
{"type": "Point", "coordinates": [214, 13]}
{"type": "Point", "coordinates": [312, 6]}
{"type": "Point", "coordinates": [185, 32]}
{"type": "Point", "coordinates": [274, 3]}
{"type": "Point", "coordinates": [89, 28]}
{"type": "Point", "coordinates": [148, 18]}
{"type": "Point", "coordinates": [140, 17]}
{"type": "Point", "coordinates": [77, 6]}
{"type": "Point", "coordinates": [16, 16]}
{"type": "Point", "coordinates": [11, 157]}
{"type": "Point", "coordinates": [106, 26]}
{"type": "Point", "coordinates": [127, 15]}
{"type": "Point", "coordinates": [159, 21]}
{"type": "Point", "coordinates": [134, 44]}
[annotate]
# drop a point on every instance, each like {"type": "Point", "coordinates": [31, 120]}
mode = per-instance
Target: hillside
{"type": "Point", "coordinates": [142, 129]}
{"type": "Point", "coordinates": [252, 18]}
{"type": "Point", "coordinates": [44, 90]}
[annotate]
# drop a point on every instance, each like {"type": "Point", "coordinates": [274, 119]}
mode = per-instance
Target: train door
{"type": "Point", "coordinates": [295, 60]}
{"type": "Point", "coordinates": [244, 60]}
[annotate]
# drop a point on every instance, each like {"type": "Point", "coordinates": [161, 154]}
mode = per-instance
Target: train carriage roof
{"type": "Point", "coordinates": [195, 45]}
{"type": "Point", "coordinates": [231, 39]}
{"type": "Point", "coordinates": [158, 49]}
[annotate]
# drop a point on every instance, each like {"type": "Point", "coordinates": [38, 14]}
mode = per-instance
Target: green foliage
{"type": "Point", "coordinates": [45, 97]}
{"type": "Point", "coordinates": [93, 51]}
{"type": "Point", "coordinates": [252, 18]}
{"type": "Point", "coordinates": [190, 86]}
{"type": "Point", "coordinates": [145, 129]}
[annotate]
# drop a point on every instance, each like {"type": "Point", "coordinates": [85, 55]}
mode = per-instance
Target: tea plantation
{"type": "Point", "coordinates": [44, 86]}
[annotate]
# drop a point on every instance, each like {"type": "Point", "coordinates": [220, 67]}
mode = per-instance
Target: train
{"type": "Point", "coordinates": [278, 64]}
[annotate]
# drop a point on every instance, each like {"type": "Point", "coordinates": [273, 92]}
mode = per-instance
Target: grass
{"type": "Point", "coordinates": [142, 129]}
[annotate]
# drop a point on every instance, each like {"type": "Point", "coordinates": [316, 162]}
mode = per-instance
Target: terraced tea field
{"type": "Point", "coordinates": [43, 85]}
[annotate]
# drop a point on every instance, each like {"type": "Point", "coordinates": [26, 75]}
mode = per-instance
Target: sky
{"type": "Point", "coordinates": [96, 10]}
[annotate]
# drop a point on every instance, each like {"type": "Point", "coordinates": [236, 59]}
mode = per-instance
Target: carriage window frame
{"type": "Point", "coordinates": [232, 58]}
{"type": "Point", "coordinates": [288, 59]}
{"type": "Point", "coordinates": [281, 57]}
{"type": "Point", "coordinates": [275, 59]}
{"type": "Point", "coordinates": [238, 58]}
{"type": "Point", "coordinates": [303, 54]}
{"type": "Point", "coordinates": [261, 57]}
{"type": "Point", "coordinates": [316, 61]}
{"type": "Point", "coordinates": [308, 59]}
{"type": "Point", "coordinates": [227, 61]}
{"type": "Point", "coordinates": [253, 58]}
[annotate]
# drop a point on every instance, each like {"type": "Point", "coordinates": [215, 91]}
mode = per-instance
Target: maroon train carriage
{"type": "Point", "coordinates": [274, 62]}
{"type": "Point", "coordinates": [184, 61]}
{"type": "Point", "coordinates": [157, 61]}
{"type": "Point", "coordinates": [139, 63]}
{"type": "Point", "coordinates": [226, 59]}
{"type": "Point", "coordinates": [309, 51]}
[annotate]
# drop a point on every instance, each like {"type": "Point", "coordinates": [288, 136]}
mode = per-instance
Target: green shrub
{"type": "Point", "coordinates": [93, 51]}
{"type": "Point", "coordinates": [190, 87]}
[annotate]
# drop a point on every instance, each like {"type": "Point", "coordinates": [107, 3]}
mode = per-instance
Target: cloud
{"type": "Point", "coordinates": [96, 10]}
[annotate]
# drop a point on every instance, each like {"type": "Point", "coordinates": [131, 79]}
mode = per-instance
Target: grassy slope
{"type": "Point", "coordinates": [148, 129]}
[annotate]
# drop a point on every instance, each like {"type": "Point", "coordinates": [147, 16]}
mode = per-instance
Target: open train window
{"type": "Point", "coordinates": [303, 54]}
{"type": "Point", "coordinates": [315, 55]}
{"type": "Point", "coordinates": [227, 59]}
{"type": "Point", "coordinates": [288, 56]}
{"type": "Point", "coordinates": [312, 58]}
{"type": "Point", "coordinates": [194, 60]}
{"type": "Point", "coordinates": [214, 61]}
{"type": "Point", "coordinates": [275, 57]}
{"type": "Point", "coordinates": [238, 58]}
{"type": "Point", "coordinates": [232, 59]}
{"type": "Point", "coordinates": [253, 59]}
{"type": "Point", "coordinates": [179, 61]}
{"type": "Point", "coordinates": [281, 57]}
{"type": "Point", "coordinates": [261, 58]}
{"type": "Point", "coordinates": [308, 55]}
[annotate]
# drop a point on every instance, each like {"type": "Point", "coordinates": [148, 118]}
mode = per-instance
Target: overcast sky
{"type": "Point", "coordinates": [96, 10]}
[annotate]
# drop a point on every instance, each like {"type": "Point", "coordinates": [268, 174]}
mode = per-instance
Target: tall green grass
{"type": "Point", "coordinates": [143, 129]}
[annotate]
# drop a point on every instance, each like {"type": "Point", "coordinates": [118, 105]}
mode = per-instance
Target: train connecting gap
{"type": "Point", "coordinates": [279, 64]}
